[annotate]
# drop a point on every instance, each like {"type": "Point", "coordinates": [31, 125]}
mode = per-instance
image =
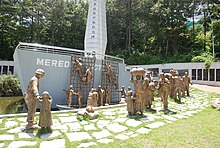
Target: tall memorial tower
{"type": "Point", "coordinates": [96, 30]}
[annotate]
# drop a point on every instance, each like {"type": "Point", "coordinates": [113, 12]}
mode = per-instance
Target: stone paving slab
{"type": "Point", "coordinates": [26, 135]}
{"type": "Point", "coordinates": [90, 127]}
{"type": "Point", "coordinates": [15, 130]}
{"type": "Point", "coordinates": [121, 137]}
{"type": "Point", "coordinates": [155, 124]}
{"type": "Point", "coordinates": [50, 135]}
{"type": "Point", "coordinates": [143, 130]}
{"type": "Point", "coordinates": [78, 136]}
{"type": "Point", "coordinates": [74, 126]}
{"type": "Point", "coordinates": [6, 137]}
{"type": "Point", "coordinates": [169, 118]}
{"type": "Point", "coordinates": [18, 144]}
{"type": "Point", "coordinates": [57, 143]}
{"type": "Point", "coordinates": [2, 145]}
{"type": "Point", "coordinates": [102, 134]}
{"type": "Point", "coordinates": [105, 140]}
{"type": "Point", "coordinates": [68, 119]}
{"type": "Point", "coordinates": [87, 144]}
{"type": "Point", "coordinates": [10, 124]}
{"type": "Point", "coordinates": [120, 120]}
{"type": "Point", "coordinates": [133, 123]}
{"type": "Point", "coordinates": [115, 127]}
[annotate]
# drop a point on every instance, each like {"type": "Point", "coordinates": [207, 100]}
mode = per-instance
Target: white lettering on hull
{"type": "Point", "coordinates": [53, 63]}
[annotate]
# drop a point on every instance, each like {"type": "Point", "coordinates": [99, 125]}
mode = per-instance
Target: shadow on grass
{"type": "Point", "coordinates": [42, 131]}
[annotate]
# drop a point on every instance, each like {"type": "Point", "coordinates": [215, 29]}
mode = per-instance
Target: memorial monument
{"type": "Point", "coordinates": [96, 30]}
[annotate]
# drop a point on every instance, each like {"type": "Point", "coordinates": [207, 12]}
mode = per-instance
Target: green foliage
{"type": "Point", "coordinates": [205, 57]}
{"type": "Point", "coordinates": [141, 31]}
{"type": "Point", "coordinates": [9, 85]}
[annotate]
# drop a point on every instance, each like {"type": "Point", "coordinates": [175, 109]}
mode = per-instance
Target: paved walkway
{"type": "Point", "coordinates": [113, 125]}
{"type": "Point", "coordinates": [207, 88]}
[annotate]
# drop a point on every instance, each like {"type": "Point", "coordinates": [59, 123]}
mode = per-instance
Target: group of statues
{"type": "Point", "coordinates": [70, 93]}
{"type": "Point", "coordinates": [169, 84]}
{"type": "Point", "coordinates": [142, 96]}
{"type": "Point", "coordinates": [95, 97]}
{"type": "Point", "coordinates": [32, 97]}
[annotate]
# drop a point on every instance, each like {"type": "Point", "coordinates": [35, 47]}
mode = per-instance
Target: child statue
{"type": "Point", "coordinates": [123, 95]}
{"type": "Point", "coordinates": [45, 102]}
{"type": "Point", "coordinates": [130, 104]}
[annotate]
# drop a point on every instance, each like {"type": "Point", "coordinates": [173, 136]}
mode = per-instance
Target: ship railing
{"type": "Point", "coordinates": [63, 51]}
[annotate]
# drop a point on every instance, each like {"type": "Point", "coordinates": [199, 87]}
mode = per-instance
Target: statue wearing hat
{"type": "Point", "coordinates": [139, 89]}
{"type": "Point", "coordinates": [32, 95]}
{"type": "Point", "coordinates": [45, 118]}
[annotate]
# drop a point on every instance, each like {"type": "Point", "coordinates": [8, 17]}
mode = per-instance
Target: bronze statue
{"type": "Point", "coordinates": [32, 95]}
{"type": "Point", "coordinates": [108, 73]}
{"type": "Point", "coordinates": [88, 113]}
{"type": "Point", "coordinates": [100, 95]}
{"type": "Point", "coordinates": [108, 95]}
{"type": "Point", "coordinates": [139, 89]}
{"type": "Point", "coordinates": [79, 95]}
{"type": "Point", "coordinates": [45, 118]}
{"type": "Point", "coordinates": [92, 98]}
{"type": "Point", "coordinates": [123, 95]}
{"type": "Point", "coordinates": [70, 92]}
{"type": "Point", "coordinates": [149, 96]}
{"type": "Point", "coordinates": [164, 90]}
{"type": "Point", "coordinates": [78, 67]}
{"type": "Point", "coordinates": [186, 82]}
{"type": "Point", "coordinates": [177, 88]}
{"type": "Point", "coordinates": [87, 78]}
{"type": "Point", "coordinates": [130, 103]}
{"type": "Point", "coordinates": [116, 81]}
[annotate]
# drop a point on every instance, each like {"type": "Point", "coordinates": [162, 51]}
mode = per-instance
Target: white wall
{"type": "Point", "coordinates": [7, 63]}
{"type": "Point", "coordinates": [188, 66]}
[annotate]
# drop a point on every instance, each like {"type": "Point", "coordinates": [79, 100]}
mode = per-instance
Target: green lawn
{"type": "Point", "coordinates": [202, 130]}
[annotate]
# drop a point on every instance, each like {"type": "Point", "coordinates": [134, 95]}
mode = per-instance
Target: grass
{"type": "Point", "coordinates": [201, 130]}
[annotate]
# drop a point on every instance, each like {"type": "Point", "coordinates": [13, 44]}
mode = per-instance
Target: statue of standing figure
{"type": "Point", "coordinates": [79, 96]}
{"type": "Point", "coordinates": [108, 95]}
{"type": "Point", "coordinates": [100, 95]}
{"type": "Point", "coordinates": [164, 89]}
{"type": "Point", "coordinates": [123, 95]}
{"type": "Point", "coordinates": [92, 98]}
{"type": "Point", "coordinates": [70, 92]}
{"type": "Point", "coordinates": [130, 102]}
{"type": "Point", "coordinates": [45, 118]}
{"type": "Point", "coordinates": [139, 89]}
{"type": "Point", "coordinates": [31, 97]}
{"type": "Point", "coordinates": [186, 82]}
